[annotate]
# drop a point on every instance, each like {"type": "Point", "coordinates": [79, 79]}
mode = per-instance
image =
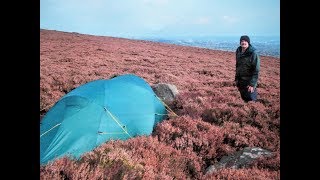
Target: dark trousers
{"type": "Point", "coordinates": [245, 94]}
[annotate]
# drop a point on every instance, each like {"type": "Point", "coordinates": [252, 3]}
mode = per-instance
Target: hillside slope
{"type": "Point", "coordinates": [213, 120]}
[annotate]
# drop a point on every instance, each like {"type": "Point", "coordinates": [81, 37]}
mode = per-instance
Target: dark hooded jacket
{"type": "Point", "coordinates": [247, 66]}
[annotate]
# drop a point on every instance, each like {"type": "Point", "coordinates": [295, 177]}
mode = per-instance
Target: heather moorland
{"type": "Point", "coordinates": [212, 120]}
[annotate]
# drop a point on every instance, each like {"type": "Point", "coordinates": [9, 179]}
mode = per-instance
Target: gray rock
{"type": "Point", "coordinates": [166, 92]}
{"type": "Point", "coordinates": [239, 159]}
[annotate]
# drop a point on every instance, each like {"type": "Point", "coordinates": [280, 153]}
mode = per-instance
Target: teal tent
{"type": "Point", "coordinates": [118, 108]}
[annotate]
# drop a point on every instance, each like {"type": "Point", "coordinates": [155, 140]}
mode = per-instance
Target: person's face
{"type": "Point", "coordinates": [244, 44]}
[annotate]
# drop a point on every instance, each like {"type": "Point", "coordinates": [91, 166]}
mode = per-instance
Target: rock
{"type": "Point", "coordinates": [239, 159]}
{"type": "Point", "coordinates": [166, 92]}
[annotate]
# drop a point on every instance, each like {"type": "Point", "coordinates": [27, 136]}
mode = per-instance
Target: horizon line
{"type": "Point", "coordinates": [125, 35]}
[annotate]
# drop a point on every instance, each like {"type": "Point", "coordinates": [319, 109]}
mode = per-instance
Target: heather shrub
{"type": "Point", "coordinates": [137, 158]}
{"type": "Point", "coordinates": [188, 104]}
{"type": "Point", "coordinates": [65, 168]}
{"type": "Point", "coordinates": [271, 163]}
{"type": "Point", "coordinates": [184, 133]}
{"type": "Point", "coordinates": [248, 136]}
{"type": "Point", "coordinates": [115, 162]}
{"type": "Point", "coordinates": [162, 159]}
{"type": "Point", "coordinates": [216, 116]}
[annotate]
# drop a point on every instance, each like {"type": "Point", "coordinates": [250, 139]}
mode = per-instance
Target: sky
{"type": "Point", "coordinates": [162, 18]}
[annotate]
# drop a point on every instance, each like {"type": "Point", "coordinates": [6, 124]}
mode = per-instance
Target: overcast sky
{"type": "Point", "coordinates": [125, 18]}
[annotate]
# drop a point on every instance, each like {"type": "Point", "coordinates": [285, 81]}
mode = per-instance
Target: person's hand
{"type": "Point", "coordinates": [250, 89]}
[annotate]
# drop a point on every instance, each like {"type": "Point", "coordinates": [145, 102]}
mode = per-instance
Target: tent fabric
{"type": "Point", "coordinates": [98, 111]}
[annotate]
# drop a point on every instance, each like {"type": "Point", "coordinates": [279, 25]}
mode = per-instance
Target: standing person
{"type": "Point", "coordinates": [247, 69]}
